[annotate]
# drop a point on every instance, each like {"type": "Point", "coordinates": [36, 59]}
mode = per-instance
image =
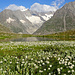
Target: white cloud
{"type": "Point", "coordinates": [57, 3]}
{"type": "Point", "coordinates": [42, 8]}
{"type": "Point", "coordinates": [38, 7]}
{"type": "Point", "coordinates": [15, 7]}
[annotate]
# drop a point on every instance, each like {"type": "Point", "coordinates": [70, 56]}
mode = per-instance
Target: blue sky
{"type": "Point", "coordinates": [29, 3]}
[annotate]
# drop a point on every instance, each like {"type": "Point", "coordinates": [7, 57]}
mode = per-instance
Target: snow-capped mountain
{"type": "Point", "coordinates": [23, 20]}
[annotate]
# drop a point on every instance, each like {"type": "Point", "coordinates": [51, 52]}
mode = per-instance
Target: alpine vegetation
{"type": "Point", "coordinates": [37, 58]}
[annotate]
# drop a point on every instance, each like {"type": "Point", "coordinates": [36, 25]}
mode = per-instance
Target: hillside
{"type": "Point", "coordinates": [4, 29]}
{"type": "Point", "coordinates": [63, 20]}
{"type": "Point", "coordinates": [8, 19]}
{"type": "Point", "coordinates": [66, 35]}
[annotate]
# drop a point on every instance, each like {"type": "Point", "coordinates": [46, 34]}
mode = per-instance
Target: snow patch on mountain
{"type": "Point", "coordinates": [22, 8]}
{"type": "Point", "coordinates": [47, 17]}
{"type": "Point", "coordinates": [22, 21]}
{"type": "Point", "coordinates": [10, 20]}
{"type": "Point", "coordinates": [34, 19]}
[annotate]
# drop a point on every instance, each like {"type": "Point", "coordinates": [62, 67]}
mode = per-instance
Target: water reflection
{"type": "Point", "coordinates": [29, 39]}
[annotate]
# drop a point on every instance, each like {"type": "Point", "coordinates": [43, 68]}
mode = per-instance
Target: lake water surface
{"type": "Point", "coordinates": [29, 39]}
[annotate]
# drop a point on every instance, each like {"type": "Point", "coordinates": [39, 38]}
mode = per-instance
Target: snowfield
{"type": "Point", "coordinates": [34, 19]}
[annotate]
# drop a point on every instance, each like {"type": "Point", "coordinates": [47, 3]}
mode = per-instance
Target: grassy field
{"type": "Point", "coordinates": [67, 35]}
{"type": "Point", "coordinates": [37, 58]}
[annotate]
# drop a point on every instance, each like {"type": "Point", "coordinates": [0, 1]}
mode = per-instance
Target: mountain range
{"type": "Point", "coordinates": [24, 21]}
{"type": "Point", "coordinates": [40, 23]}
{"type": "Point", "coordinates": [62, 20]}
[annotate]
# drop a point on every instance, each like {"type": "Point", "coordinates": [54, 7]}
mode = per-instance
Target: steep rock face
{"type": "Point", "coordinates": [26, 22]}
{"type": "Point", "coordinates": [62, 20]}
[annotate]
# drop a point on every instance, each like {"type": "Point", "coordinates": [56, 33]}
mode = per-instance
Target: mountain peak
{"type": "Point", "coordinates": [62, 20]}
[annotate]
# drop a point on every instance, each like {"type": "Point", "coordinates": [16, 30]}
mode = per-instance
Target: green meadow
{"type": "Point", "coordinates": [38, 57]}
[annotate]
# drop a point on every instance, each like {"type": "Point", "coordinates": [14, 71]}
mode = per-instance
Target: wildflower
{"type": "Point", "coordinates": [49, 73]}
{"type": "Point", "coordinates": [35, 60]}
{"type": "Point", "coordinates": [54, 55]}
{"type": "Point", "coordinates": [38, 61]}
{"type": "Point", "coordinates": [44, 69]}
{"type": "Point", "coordinates": [1, 48]}
{"type": "Point", "coordinates": [48, 68]}
{"type": "Point", "coordinates": [31, 58]}
{"type": "Point", "coordinates": [47, 62]}
{"type": "Point", "coordinates": [23, 62]}
{"type": "Point", "coordinates": [4, 71]}
{"type": "Point", "coordinates": [47, 58]}
{"type": "Point", "coordinates": [73, 61]}
{"type": "Point", "coordinates": [59, 58]}
{"type": "Point", "coordinates": [5, 60]}
{"type": "Point", "coordinates": [61, 68]}
{"type": "Point", "coordinates": [69, 63]}
{"type": "Point", "coordinates": [16, 57]}
{"type": "Point", "coordinates": [22, 59]}
{"type": "Point", "coordinates": [50, 65]}
{"type": "Point", "coordinates": [43, 57]}
{"type": "Point", "coordinates": [60, 62]}
{"type": "Point", "coordinates": [43, 63]}
{"type": "Point", "coordinates": [65, 62]}
{"type": "Point", "coordinates": [66, 59]}
{"type": "Point", "coordinates": [58, 69]}
{"type": "Point", "coordinates": [40, 65]}
{"type": "Point", "coordinates": [1, 62]}
{"type": "Point", "coordinates": [71, 66]}
{"type": "Point", "coordinates": [26, 57]}
{"type": "Point", "coordinates": [69, 71]}
{"type": "Point", "coordinates": [40, 71]}
{"type": "Point", "coordinates": [1, 69]}
{"type": "Point", "coordinates": [17, 62]}
{"type": "Point", "coordinates": [72, 70]}
{"type": "Point", "coordinates": [69, 57]}
{"type": "Point", "coordinates": [10, 62]}
{"type": "Point", "coordinates": [36, 66]}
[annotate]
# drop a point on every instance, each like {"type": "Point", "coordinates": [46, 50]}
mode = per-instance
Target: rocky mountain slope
{"type": "Point", "coordinates": [24, 21]}
{"type": "Point", "coordinates": [62, 20]}
{"type": "Point", "coordinates": [4, 29]}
